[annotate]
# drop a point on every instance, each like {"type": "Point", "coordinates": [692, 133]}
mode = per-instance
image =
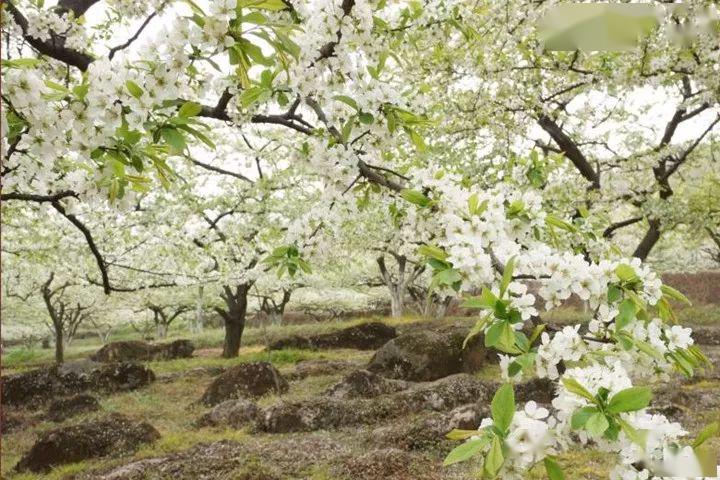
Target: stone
{"type": "Point", "coordinates": [138, 351]}
{"type": "Point", "coordinates": [41, 385]}
{"type": "Point", "coordinates": [424, 355]}
{"type": "Point", "coordinates": [706, 336]}
{"type": "Point", "coordinates": [366, 336]}
{"type": "Point", "coordinates": [365, 384]}
{"type": "Point", "coordinates": [231, 413]}
{"type": "Point", "coordinates": [64, 408]}
{"type": "Point", "coordinates": [329, 413]}
{"type": "Point", "coordinates": [247, 380]}
{"type": "Point", "coordinates": [114, 434]}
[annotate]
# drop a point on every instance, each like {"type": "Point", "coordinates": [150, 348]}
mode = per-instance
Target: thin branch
{"type": "Point", "coordinates": [130, 40]}
{"type": "Point", "coordinates": [212, 168]}
{"type": "Point", "coordinates": [90, 241]}
{"type": "Point", "coordinates": [31, 197]}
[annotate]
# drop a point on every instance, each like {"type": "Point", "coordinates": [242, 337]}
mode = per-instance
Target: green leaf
{"type": "Point", "coordinates": [614, 294]}
{"type": "Point", "coordinates": [347, 101]}
{"type": "Point", "coordinates": [537, 331]}
{"type": "Point", "coordinates": [506, 342]}
{"type": "Point", "coordinates": [494, 459]}
{"type": "Point", "coordinates": [711, 430]}
{"type": "Point", "coordinates": [432, 252]}
{"type": "Point", "coordinates": [636, 436]}
{"type": "Point", "coordinates": [413, 196]}
{"type": "Point", "coordinates": [458, 434]}
{"type": "Point", "coordinates": [553, 469]}
{"type": "Point", "coordinates": [502, 407]}
{"type": "Point", "coordinates": [573, 386]}
{"type": "Point", "coordinates": [477, 328]}
{"type": "Point", "coordinates": [486, 300]}
{"type": "Point", "coordinates": [581, 416]}
{"type": "Point", "coordinates": [256, 18]}
{"type": "Point", "coordinates": [347, 129]}
{"type": "Point", "coordinates": [173, 138]}
{"type": "Point", "coordinates": [597, 424]}
{"type": "Point", "coordinates": [189, 109]}
{"type": "Point", "coordinates": [134, 89]}
{"type": "Point", "coordinates": [630, 400]}
{"type": "Point", "coordinates": [625, 273]}
{"type": "Point", "coordinates": [366, 118]}
{"type": "Point", "coordinates": [254, 95]}
{"type": "Point", "coordinates": [449, 276]}
{"type": "Point", "coordinates": [626, 315]}
{"type": "Point", "coordinates": [21, 63]}
{"type": "Point", "coordinates": [674, 294]}
{"type": "Point", "coordinates": [492, 336]}
{"type": "Point", "coordinates": [507, 275]}
{"type": "Point", "coordinates": [416, 139]}
{"type": "Point", "coordinates": [263, 4]}
{"type": "Point", "coordinates": [557, 222]}
{"type": "Point", "coordinates": [466, 450]}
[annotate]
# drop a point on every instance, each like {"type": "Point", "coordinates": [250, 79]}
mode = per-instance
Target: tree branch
{"type": "Point", "coordinates": [90, 241]}
{"type": "Point", "coordinates": [570, 149]}
{"type": "Point", "coordinates": [52, 48]}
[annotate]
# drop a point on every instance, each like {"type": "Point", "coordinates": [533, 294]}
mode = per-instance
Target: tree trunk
{"type": "Point", "coordinates": [233, 337]}
{"type": "Point", "coordinates": [649, 240]}
{"type": "Point", "coordinates": [276, 318]}
{"type": "Point", "coordinates": [161, 330]}
{"type": "Point", "coordinates": [199, 320]}
{"type": "Point", "coordinates": [397, 300]}
{"type": "Point", "coordinates": [234, 316]}
{"type": "Point", "coordinates": [59, 346]}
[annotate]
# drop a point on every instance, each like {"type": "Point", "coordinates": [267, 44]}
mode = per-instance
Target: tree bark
{"type": "Point", "coordinates": [199, 320]}
{"type": "Point", "coordinates": [397, 301]}
{"type": "Point", "coordinates": [161, 330]}
{"type": "Point", "coordinates": [234, 316]}
{"type": "Point", "coordinates": [59, 346]}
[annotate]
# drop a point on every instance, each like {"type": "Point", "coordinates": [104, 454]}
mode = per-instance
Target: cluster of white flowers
{"type": "Point", "coordinates": [135, 8]}
{"type": "Point", "coordinates": [44, 24]}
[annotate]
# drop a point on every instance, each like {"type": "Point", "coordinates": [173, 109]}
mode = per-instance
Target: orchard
{"type": "Point", "coordinates": [251, 177]}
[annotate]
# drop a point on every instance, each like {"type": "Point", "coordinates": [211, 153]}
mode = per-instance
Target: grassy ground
{"type": "Point", "coordinates": [170, 405]}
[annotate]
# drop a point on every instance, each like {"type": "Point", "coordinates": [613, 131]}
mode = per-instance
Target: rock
{"type": "Point", "coordinates": [327, 413]}
{"type": "Point", "coordinates": [224, 460]}
{"type": "Point", "coordinates": [137, 351]}
{"type": "Point", "coordinates": [428, 431]}
{"type": "Point", "coordinates": [389, 464]}
{"type": "Point", "coordinates": [41, 385]}
{"type": "Point", "coordinates": [313, 368]}
{"type": "Point", "coordinates": [365, 384]}
{"type": "Point", "coordinates": [422, 355]}
{"type": "Point", "coordinates": [121, 377]}
{"type": "Point", "coordinates": [64, 408]}
{"type": "Point", "coordinates": [541, 390]}
{"type": "Point", "coordinates": [114, 434]}
{"type": "Point", "coordinates": [231, 413]}
{"type": "Point", "coordinates": [706, 335]}
{"type": "Point", "coordinates": [287, 457]}
{"type": "Point", "coordinates": [251, 380]}
{"type": "Point", "coordinates": [366, 336]}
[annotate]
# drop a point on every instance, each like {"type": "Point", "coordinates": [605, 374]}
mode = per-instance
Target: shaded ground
{"type": "Point", "coordinates": [407, 446]}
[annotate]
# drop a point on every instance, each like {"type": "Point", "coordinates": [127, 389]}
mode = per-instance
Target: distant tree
{"type": "Point", "coordinates": [66, 314]}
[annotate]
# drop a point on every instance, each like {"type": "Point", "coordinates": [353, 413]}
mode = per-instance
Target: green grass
{"type": "Point", "coordinates": [15, 359]}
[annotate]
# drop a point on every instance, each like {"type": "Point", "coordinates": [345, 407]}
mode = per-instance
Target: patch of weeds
{"type": "Point", "coordinates": [182, 440]}
{"type": "Point", "coordinates": [579, 465]}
